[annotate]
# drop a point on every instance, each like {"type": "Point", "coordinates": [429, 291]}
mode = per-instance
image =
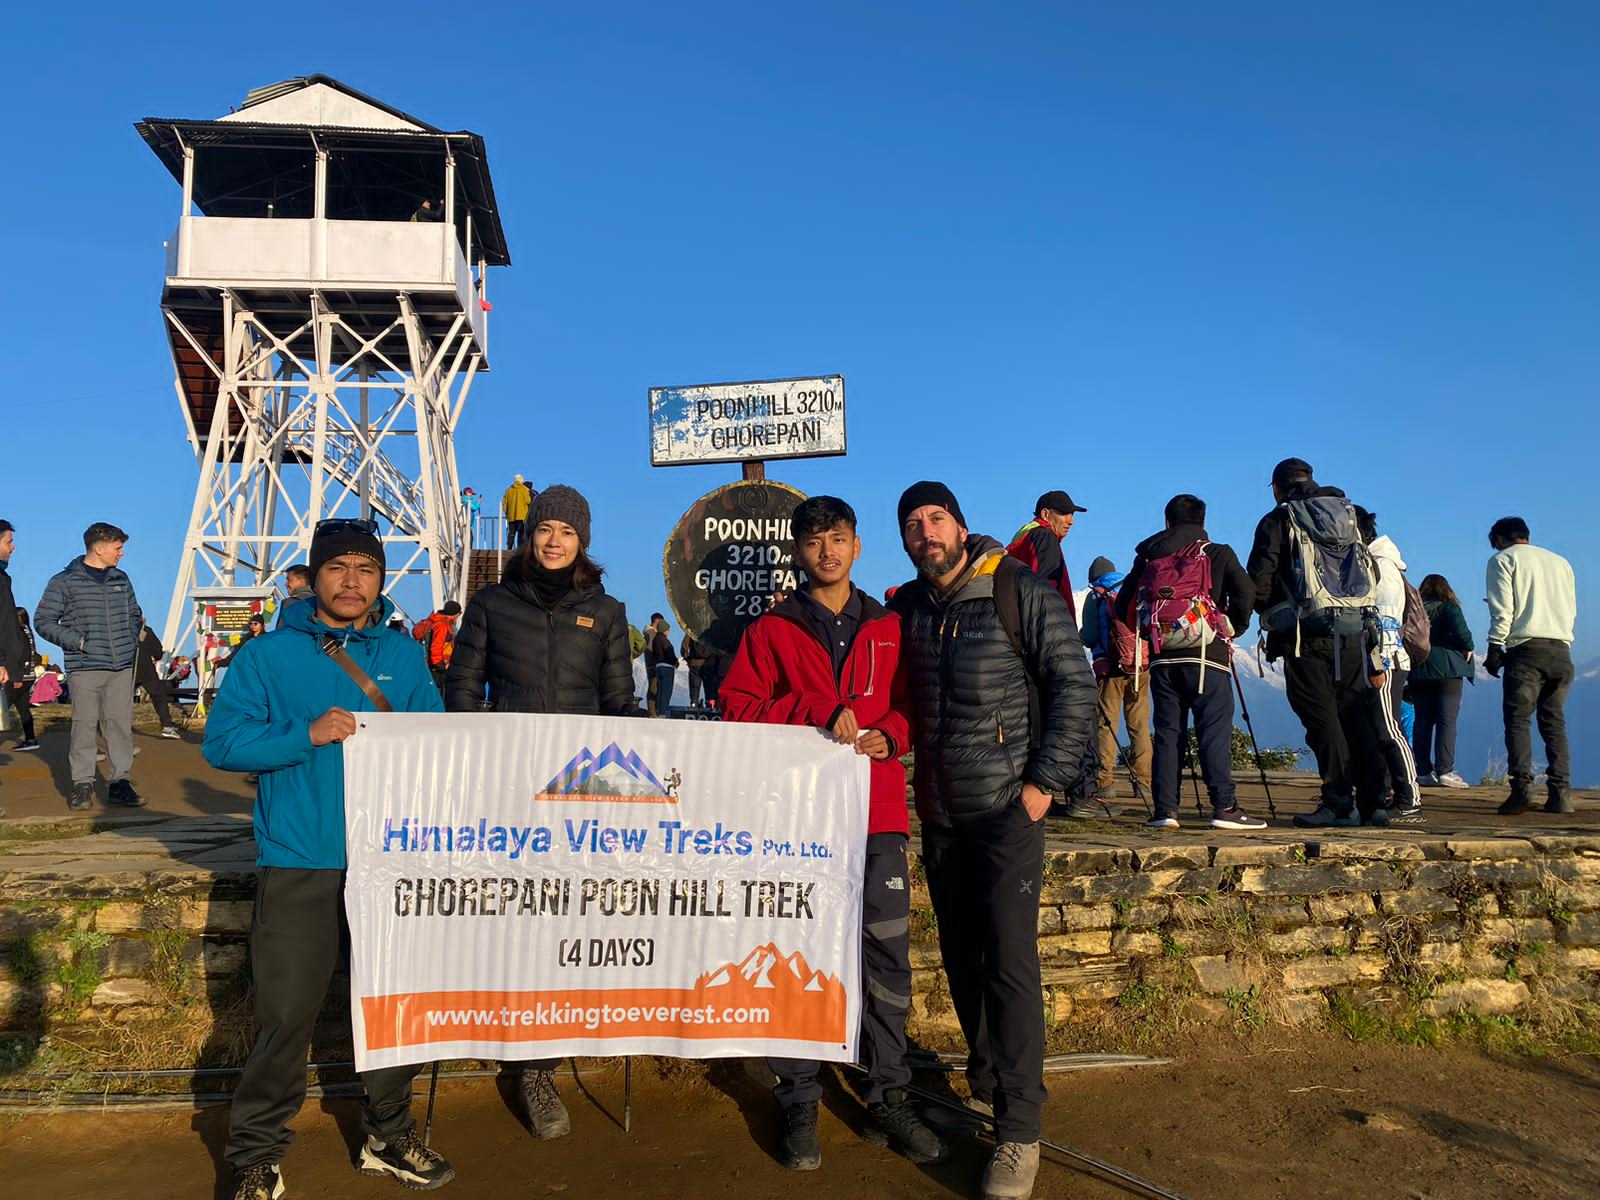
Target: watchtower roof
{"type": "Point", "coordinates": [388, 153]}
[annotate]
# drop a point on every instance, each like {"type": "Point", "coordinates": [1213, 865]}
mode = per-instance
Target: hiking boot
{"type": "Point", "coordinates": [171, 733]}
{"type": "Point", "coordinates": [800, 1149]}
{"type": "Point", "coordinates": [1451, 780]}
{"type": "Point", "coordinates": [1160, 822]}
{"type": "Point", "coordinates": [894, 1123]}
{"type": "Point", "coordinates": [1428, 779]}
{"type": "Point", "coordinates": [1011, 1170]}
{"type": "Point", "coordinates": [1235, 818]}
{"type": "Point", "coordinates": [546, 1114]}
{"type": "Point", "coordinates": [1378, 818]}
{"type": "Point", "coordinates": [28, 744]}
{"type": "Point", "coordinates": [1560, 801]}
{"type": "Point", "coordinates": [408, 1160]}
{"type": "Point", "coordinates": [121, 795]}
{"type": "Point", "coordinates": [974, 1116]}
{"type": "Point", "coordinates": [1516, 803]}
{"type": "Point", "coordinates": [264, 1181]}
{"type": "Point", "coordinates": [82, 796]}
{"type": "Point", "coordinates": [1325, 816]}
{"type": "Point", "coordinates": [1092, 809]}
{"type": "Point", "coordinates": [1407, 812]}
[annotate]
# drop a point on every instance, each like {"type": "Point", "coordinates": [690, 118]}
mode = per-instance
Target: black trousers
{"type": "Point", "coordinates": [694, 687]}
{"type": "Point", "coordinates": [297, 937]}
{"type": "Point", "coordinates": [984, 882]}
{"type": "Point", "coordinates": [1332, 705]}
{"type": "Point", "coordinates": [885, 977]}
{"type": "Point", "coordinates": [514, 533]}
{"type": "Point", "coordinates": [1175, 692]}
{"type": "Point", "coordinates": [1536, 678]}
{"type": "Point", "coordinates": [17, 697]}
{"type": "Point", "coordinates": [160, 692]}
{"type": "Point", "coordinates": [1393, 781]}
{"type": "Point", "coordinates": [1438, 705]}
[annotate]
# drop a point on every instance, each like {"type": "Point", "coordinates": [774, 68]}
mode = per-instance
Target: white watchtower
{"type": "Point", "coordinates": [326, 304]}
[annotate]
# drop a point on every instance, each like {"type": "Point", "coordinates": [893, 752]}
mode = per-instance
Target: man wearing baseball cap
{"type": "Point", "coordinates": [1038, 543]}
{"type": "Point", "coordinates": [286, 706]}
{"type": "Point", "coordinates": [1001, 706]}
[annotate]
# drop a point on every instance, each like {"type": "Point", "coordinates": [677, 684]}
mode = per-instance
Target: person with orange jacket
{"type": "Point", "coordinates": [437, 633]}
{"type": "Point", "coordinates": [826, 656]}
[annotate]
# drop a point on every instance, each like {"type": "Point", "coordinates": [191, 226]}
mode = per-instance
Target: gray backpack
{"type": "Point", "coordinates": [1333, 578]}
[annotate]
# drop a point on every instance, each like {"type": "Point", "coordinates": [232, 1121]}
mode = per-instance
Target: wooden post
{"type": "Point", "coordinates": [755, 469]}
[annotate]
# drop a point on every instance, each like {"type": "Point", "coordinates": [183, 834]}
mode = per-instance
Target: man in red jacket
{"type": "Point", "coordinates": [826, 656]}
{"type": "Point", "coordinates": [437, 633]}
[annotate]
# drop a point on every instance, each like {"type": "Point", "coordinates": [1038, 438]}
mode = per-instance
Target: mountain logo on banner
{"type": "Point", "coordinates": [613, 774]}
{"type": "Point", "coordinates": [805, 1003]}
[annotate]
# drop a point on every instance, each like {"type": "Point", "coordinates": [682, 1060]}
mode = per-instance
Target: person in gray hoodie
{"type": "Point", "coordinates": [90, 611]}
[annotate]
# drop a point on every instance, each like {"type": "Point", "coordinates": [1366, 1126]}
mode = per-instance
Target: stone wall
{"type": "Point", "coordinates": [1255, 932]}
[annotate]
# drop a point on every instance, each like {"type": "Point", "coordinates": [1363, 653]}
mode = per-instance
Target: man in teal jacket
{"type": "Point", "coordinates": [285, 708]}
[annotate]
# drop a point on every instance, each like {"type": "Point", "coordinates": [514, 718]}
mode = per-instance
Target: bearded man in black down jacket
{"type": "Point", "coordinates": [984, 780]}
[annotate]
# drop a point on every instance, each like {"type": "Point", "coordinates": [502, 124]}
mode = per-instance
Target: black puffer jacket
{"type": "Point", "coordinates": [967, 691]}
{"type": "Point", "coordinates": [572, 658]}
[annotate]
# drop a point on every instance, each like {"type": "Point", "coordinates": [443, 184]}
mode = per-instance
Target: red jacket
{"type": "Point", "coordinates": [783, 675]}
{"type": "Point", "coordinates": [437, 633]}
{"type": "Point", "coordinates": [1038, 549]}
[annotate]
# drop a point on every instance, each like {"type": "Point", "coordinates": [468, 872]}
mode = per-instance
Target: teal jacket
{"type": "Point", "coordinates": [1451, 643]}
{"type": "Point", "coordinates": [278, 684]}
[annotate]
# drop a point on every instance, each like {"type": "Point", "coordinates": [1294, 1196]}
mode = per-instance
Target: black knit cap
{"type": "Point", "coordinates": [337, 538]}
{"type": "Point", "coordinates": [558, 502]}
{"type": "Point", "coordinates": [928, 491]}
{"type": "Point", "coordinates": [1291, 470]}
{"type": "Point", "coordinates": [452, 608]}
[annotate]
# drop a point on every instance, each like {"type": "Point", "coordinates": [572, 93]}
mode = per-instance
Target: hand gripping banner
{"type": "Point", "coordinates": [534, 886]}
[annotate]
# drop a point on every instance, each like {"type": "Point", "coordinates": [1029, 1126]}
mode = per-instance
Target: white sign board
{"type": "Point", "coordinates": [738, 422]}
{"type": "Point", "coordinates": [537, 886]}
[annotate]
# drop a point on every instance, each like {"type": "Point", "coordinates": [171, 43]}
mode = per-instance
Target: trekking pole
{"type": "Point", "coordinates": [1194, 777]}
{"type": "Point", "coordinates": [433, 1090]}
{"type": "Point", "coordinates": [1117, 1173]}
{"type": "Point", "coordinates": [627, 1094]}
{"type": "Point", "coordinates": [1122, 756]}
{"type": "Point", "coordinates": [1244, 709]}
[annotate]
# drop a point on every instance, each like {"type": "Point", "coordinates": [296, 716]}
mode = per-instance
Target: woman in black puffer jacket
{"type": "Point", "coordinates": [545, 639]}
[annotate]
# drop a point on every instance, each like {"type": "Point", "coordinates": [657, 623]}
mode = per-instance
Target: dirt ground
{"type": "Point", "coordinates": [1285, 1115]}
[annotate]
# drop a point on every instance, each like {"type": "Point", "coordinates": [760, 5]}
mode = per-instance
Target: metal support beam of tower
{"type": "Point", "coordinates": [292, 442]}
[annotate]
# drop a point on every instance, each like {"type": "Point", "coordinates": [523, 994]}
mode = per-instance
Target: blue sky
{"type": "Point", "coordinates": [1125, 253]}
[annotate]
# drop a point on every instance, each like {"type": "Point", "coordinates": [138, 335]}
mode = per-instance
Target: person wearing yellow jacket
{"type": "Point", "coordinates": [514, 504]}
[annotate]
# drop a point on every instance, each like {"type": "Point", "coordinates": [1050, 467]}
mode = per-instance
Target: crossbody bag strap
{"type": "Point", "coordinates": [332, 648]}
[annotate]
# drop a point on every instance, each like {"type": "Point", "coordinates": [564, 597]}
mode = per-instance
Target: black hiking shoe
{"type": "Point", "coordinates": [1516, 803]}
{"type": "Point", "coordinates": [1406, 812]}
{"type": "Point", "coordinates": [893, 1122]}
{"type": "Point", "coordinates": [800, 1149]}
{"type": "Point", "coordinates": [121, 795]}
{"type": "Point", "coordinates": [546, 1114]}
{"type": "Point", "coordinates": [1560, 801]}
{"type": "Point", "coordinates": [1327, 816]}
{"type": "Point", "coordinates": [82, 796]}
{"type": "Point", "coordinates": [1092, 809]}
{"type": "Point", "coordinates": [411, 1163]}
{"type": "Point", "coordinates": [261, 1182]}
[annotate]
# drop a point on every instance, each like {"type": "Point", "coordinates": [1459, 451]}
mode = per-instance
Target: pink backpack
{"type": "Point", "coordinates": [1176, 610]}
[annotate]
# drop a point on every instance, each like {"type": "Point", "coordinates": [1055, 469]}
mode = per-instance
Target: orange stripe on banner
{"type": "Point", "coordinates": [423, 1018]}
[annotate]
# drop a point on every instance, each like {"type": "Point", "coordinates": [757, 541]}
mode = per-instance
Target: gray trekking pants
{"type": "Point", "coordinates": [101, 700]}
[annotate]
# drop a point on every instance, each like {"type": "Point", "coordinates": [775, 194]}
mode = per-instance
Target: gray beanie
{"type": "Point", "coordinates": [558, 502]}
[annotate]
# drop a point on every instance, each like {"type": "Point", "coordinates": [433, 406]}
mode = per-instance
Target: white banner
{"type": "Point", "coordinates": [732, 422]}
{"type": "Point", "coordinates": [526, 886]}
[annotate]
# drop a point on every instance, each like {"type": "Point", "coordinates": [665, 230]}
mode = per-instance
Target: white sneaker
{"type": "Point", "coordinates": [1011, 1171]}
{"type": "Point", "coordinates": [171, 732]}
{"type": "Point", "coordinates": [1451, 780]}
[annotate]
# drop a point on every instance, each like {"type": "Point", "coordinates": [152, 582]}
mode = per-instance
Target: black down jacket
{"type": "Point", "coordinates": [572, 658]}
{"type": "Point", "coordinates": [966, 691]}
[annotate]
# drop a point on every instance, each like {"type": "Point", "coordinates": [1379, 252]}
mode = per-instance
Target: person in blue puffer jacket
{"type": "Point", "coordinates": [285, 708]}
